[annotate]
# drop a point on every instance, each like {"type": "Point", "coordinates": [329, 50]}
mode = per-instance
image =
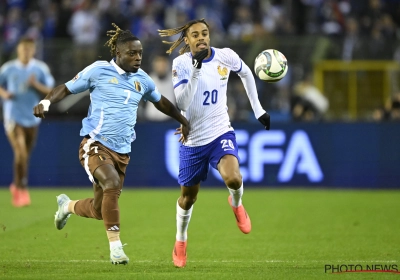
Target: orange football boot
{"type": "Point", "coordinates": [242, 219]}
{"type": "Point", "coordinates": [14, 194]}
{"type": "Point", "coordinates": [20, 198]}
{"type": "Point", "coordinates": [179, 253]}
{"type": "Point", "coordinates": [24, 198]}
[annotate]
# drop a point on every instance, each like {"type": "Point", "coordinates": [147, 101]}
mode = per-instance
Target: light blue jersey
{"type": "Point", "coordinates": [114, 96]}
{"type": "Point", "coordinates": [14, 77]}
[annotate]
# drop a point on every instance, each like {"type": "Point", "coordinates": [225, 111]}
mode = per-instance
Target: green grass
{"type": "Point", "coordinates": [295, 233]}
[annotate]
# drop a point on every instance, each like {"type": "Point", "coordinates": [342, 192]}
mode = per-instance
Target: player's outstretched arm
{"type": "Point", "coordinates": [250, 86]}
{"type": "Point", "coordinates": [165, 106]}
{"type": "Point", "coordinates": [57, 94]}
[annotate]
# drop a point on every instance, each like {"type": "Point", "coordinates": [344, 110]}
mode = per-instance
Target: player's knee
{"type": "Point", "coordinates": [234, 182]}
{"type": "Point", "coordinates": [20, 157]}
{"type": "Point", "coordinates": [111, 183]}
{"type": "Point", "coordinates": [188, 201]}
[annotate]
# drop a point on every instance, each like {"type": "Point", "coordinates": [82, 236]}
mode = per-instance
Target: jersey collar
{"type": "Point", "coordinates": [119, 69]}
{"type": "Point", "coordinates": [211, 56]}
{"type": "Point", "coordinates": [29, 65]}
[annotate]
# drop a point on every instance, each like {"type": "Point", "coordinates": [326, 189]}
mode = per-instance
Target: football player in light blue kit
{"type": "Point", "coordinates": [23, 81]}
{"type": "Point", "coordinates": [116, 87]}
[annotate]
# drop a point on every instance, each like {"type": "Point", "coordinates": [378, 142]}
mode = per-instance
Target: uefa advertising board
{"type": "Point", "coordinates": [335, 155]}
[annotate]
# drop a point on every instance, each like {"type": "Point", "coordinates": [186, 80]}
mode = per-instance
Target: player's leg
{"type": "Point", "coordinates": [184, 208]}
{"type": "Point", "coordinates": [16, 135]}
{"type": "Point", "coordinates": [228, 167]}
{"type": "Point", "coordinates": [111, 182]}
{"type": "Point", "coordinates": [225, 159]}
{"type": "Point", "coordinates": [106, 169]}
{"type": "Point", "coordinates": [30, 141]}
{"type": "Point", "coordinates": [11, 132]}
{"type": "Point", "coordinates": [193, 168]}
{"type": "Point", "coordinates": [16, 138]}
{"type": "Point", "coordinates": [89, 207]}
{"type": "Point", "coordinates": [93, 155]}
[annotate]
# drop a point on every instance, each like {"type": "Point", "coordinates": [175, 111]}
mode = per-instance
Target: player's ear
{"type": "Point", "coordinates": [186, 40]}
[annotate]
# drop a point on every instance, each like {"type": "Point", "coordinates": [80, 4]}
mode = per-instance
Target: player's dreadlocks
{"type": "Point", "coordinates": [118, 36]}
{"type": "Point", "coordinates": [182, 30]}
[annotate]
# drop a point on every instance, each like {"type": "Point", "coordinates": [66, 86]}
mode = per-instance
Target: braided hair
{"type": "Point", "coordinates": [118, 36]}
{"type": "Point", "coordinates": [183, 29]}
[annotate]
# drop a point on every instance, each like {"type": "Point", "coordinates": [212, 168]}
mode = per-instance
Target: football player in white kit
{"type": "Point", "coordinates": [200, 77]}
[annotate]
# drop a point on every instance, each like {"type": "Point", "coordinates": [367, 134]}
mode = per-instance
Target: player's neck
{"type": "Point", "coordinates": [24, 62]}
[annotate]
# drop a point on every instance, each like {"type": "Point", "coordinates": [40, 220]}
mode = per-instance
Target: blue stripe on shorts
{"type": "Point", "coordinates": [194, 161]}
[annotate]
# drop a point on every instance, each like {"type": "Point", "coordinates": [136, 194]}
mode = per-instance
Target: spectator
{"type": "Point", "coordinates": [84, 27]}
{"type": "Point", "coordinates": [351, 44]}
{"type": "Point", "coordinates": [242, 26]}
{"type": "Point", "coordinates": [391, 110]}
{"type": "Point", "coordinates": [64, 14]}
{"type": "Point", "coordinates": [13, 29]}
{"type": "Point", "coordinates": [162, 79]}
{"type": "Point", "coordinates": [308, 102]}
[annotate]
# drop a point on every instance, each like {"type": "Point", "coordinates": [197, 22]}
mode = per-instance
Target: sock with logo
{"type": "Point", "coordinates": [110, 209]}
{"type": "Point", "coordinates": [236, 196]}
{"type": "Point", "coordinates": [182, 222]}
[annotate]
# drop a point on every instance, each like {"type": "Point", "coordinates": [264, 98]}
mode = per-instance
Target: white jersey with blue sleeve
{"type": "Point", "coordinates": [201, 93]}
{"type": "Point", "coordinates": [14, 77]}
{"type": "Point", "coordinates": [114, 96]}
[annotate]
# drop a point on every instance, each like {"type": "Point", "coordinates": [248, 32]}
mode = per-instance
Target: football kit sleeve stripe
{"type": "Point", "coordinates": [240, 69]}
{"type": "Point", "coordinates": [181, 82]}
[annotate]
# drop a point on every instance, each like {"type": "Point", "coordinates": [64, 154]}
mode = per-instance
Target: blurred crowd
{"type": "Point", "coordinates": [390, 111]}
{"type": "Point", "coordinates": [338, 29]}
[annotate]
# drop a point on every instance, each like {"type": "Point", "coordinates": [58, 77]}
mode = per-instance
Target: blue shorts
{"type": "Point", "coordinates": [194, 161]}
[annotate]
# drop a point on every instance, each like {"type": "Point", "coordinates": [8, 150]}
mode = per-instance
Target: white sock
{"type": "Point", "coordinates": [236, 196]}
{"type": "Point", "coordinates": [114, 244]}
{"type": "Point", "coordinates": [182, 222]}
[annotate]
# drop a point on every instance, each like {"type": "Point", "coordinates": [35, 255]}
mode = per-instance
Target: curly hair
{"type": "Point", "coordinates": [118, 36]}
{"type": "Point", "coordinates": [183, 29]}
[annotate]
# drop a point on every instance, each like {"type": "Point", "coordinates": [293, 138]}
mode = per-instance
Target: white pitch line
{"type": "Point", "coordinates": [219, 261]}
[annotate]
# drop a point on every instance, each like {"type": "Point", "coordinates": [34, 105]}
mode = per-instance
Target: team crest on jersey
{"type": "Point", "coordinates": [75, 78]}
{"type": "Point", "coordinates": [174, 73]}
{"type": "Point", "coordinates": [137, 86]}
{"type": "Point", "coordinates": [113, 81]}
{"type": "Point", "coordinates": [223, 72]}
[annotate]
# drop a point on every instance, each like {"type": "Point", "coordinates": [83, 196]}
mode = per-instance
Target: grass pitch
{"type": "Point", "coordinates": [295, 234]}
